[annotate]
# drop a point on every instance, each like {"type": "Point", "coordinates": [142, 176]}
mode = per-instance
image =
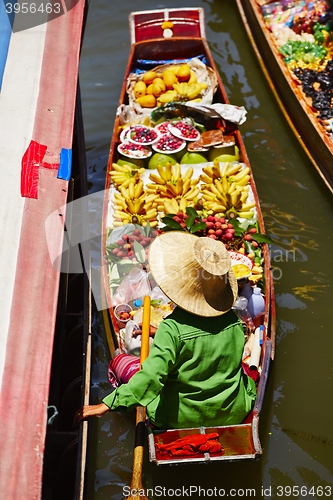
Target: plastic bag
{"type": "Point", "coordinates": [157, 294]}
{"type": "Point", "coordinates": [132, 343]}
{"type": "Point", "coordinates": [134, 286]}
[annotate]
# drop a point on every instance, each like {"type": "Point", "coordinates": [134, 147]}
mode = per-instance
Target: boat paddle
{"type": "Point", "coordinates": [136, 488]}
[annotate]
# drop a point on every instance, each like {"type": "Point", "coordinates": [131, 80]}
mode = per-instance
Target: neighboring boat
{"type": "Point", "coordinates": [300, 93]}
{"type": "Point", "coordinates": [162, 40]}
{"type": "Point", "coordinates": [40, 160]}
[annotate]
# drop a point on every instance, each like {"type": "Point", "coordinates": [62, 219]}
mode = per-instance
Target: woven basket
{"type": "Point", "coordinates": [204, 74]}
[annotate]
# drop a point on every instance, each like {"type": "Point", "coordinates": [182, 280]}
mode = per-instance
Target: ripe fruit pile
{"type": "Point", "coordinates": [172, 191]}
{"type": "Point", "coordinates": [218, 228]}
{"type": "Point", "coordinates": [124, 248]}
{"type": "Point", "coordinates": [224, 191]}
{"type": "Point", "coordinates": [132, 207]}
{"type": "Point", "coordinates": [176, 83]}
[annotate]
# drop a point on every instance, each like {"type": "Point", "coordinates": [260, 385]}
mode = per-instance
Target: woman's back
{"type": "Point", "coordinates": [205, 384]}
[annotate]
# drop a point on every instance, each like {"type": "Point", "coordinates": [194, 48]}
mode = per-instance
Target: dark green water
{"type": "Point", "coordinates": [296, 423]}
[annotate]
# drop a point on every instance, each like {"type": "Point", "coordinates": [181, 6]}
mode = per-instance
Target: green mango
{"type": "Point", "coordinates": [229, 153]}
{"type": "Point", "coordinates": [132, 162]}
{"type": "Point", "coordinates": [192, 158]}
{"type": "Point", "coordinates": [161, 159]}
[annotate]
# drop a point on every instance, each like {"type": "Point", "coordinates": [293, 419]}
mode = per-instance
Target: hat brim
{"type": "Point", "coordinates": [179, 265]}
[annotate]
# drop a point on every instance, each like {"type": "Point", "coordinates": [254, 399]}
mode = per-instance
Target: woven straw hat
{"type": "Point", "coordinates": [194, 272]}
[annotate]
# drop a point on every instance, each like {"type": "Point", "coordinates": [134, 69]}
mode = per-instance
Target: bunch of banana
{"type": "Point", "coordinates": [188, 91]}
{"type": "Point", "coordinates": [256, 274]}
{"type": "Point", "coordinates": [171, 184]}
{"type": "Point", "coordinates": [221, 196]}
{"type": "Point", "coordinates": [124, 175]}
{"type": "Point", "coordinates": [232, 172]}
{"type": "Point", "coordinates": [173, 206]}
{"type": "Point", "coordinates": [131, 206]}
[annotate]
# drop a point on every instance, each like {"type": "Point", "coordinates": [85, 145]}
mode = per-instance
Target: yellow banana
{"type": "Point", "coordinates": [206, 179]}
{"type": "Point", "coordinates": [177, 171]}
{"type": "Point", "coordinates": [156, 179]}
{"type": "Point", "coordinates": [167, 207]}
{"type": "Point", "coordinates": [235, 198]}
{"type": "Point", "coordinates": [219, 186]}
{"type": "Point", "coordinates": [208, 171]}
{"type": "Point", "coordinates": [214, 189]}
{"type": "Point", "coordinates": [124, 192]}
{"type": "Point", "coordinates": [224, 169]}
{"type": "Point", "coordinates": [131, 207]}
{"type": "Point", "coordinates": [193, 90]}
{"type": "Point", "coordinates": [121, 168]}
{"type": "Point", "coordinates": [175, 205]}
{"type": "Point", "coordinates": [244, 196]}
{"type": "Point", "coordinates": [151, 198]}
{"type": "Point", "coordinates": [203, 85]}
{"type": "Point", "coordinates": [168, 169]}
{"type": "Point", "coordinates": [131, 191]}
{"type": "Point", "coordinates": [182, 205]}
{"type": "Point", "coordinates": [172, 189]}
{"type": "Point", "coordinates": [188, 174]}
{"type": "Point", "coordinates": [208, 195]}
{"type": "Point", "coordinates": [248, 206]}
{"type": "Point", "coordinates": [167, 97]}
{"type": "Point", "coordinates": [237, 177]}
{"type": "Point", "coordinates": [193, 77]}
{"type": "Point", "coordinates": [186, 186]}
{"type": "Point", "coordinates": [246, 215]}
{"type": "Point", "coordinates": [244, 180]}
{"type": "Point", "coordinates": [120, 214]}
{"type": "Point", "coordinates": [152, 213]}
{"type": "Point", "coordinates": [233, 168]}
{"type": "Point", "coordinates": [190, 195]}
{"type": "Point", "coordinates": [139, 206]}
{"type": "Point", "coordinates": [163, 173]}
{"type": "Point", "coordinates": [179, 186]}
{"type": "Point", "coordinates": [225, 184]}
{"type": "Point", "coordinates": [216, 170]}
{"type": "Point", "coordinates": [232, 187]}
{"type": "Point", "coordinates": [181, 89]}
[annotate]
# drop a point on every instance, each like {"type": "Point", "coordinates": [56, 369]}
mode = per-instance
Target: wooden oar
{"type": "Point", "coordinates": [137, 490]}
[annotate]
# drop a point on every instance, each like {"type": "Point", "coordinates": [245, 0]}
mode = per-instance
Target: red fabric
{"type": "Point", "coordinates": [254, 374]}
{"type": "Point", "coordinates": [121, 368]}
{"type": "Point", "coordinates": [192, 444]}
{"type": "Point", "coordinates": [31, 161]}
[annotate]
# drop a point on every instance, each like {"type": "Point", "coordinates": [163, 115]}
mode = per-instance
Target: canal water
{"type": "Point", "coordinates": [296, 428]}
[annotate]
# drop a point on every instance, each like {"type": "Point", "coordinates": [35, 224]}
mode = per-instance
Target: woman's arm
{"type": "Point", "coordinates": [89, 411]}
{"type": "Point", "coordinates": [148, 382]}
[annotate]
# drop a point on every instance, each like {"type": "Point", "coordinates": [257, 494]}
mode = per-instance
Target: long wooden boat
{"type": "Point", "coordinates": [162, 39]}
{"type": "Point", "coordinates": [298, 83]}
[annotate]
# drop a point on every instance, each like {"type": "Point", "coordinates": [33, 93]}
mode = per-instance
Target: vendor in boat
{"type": "Point", "coordinates": [193, 375]}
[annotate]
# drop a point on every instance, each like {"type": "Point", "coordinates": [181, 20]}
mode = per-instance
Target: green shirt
{"type": "Point", "coordinates": [193, 375]}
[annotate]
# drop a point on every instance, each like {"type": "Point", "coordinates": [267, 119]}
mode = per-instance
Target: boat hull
{"type": "Point", "coordinates": [294, 104]}
{"type": "Point", "coordinates": [239, 442]}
